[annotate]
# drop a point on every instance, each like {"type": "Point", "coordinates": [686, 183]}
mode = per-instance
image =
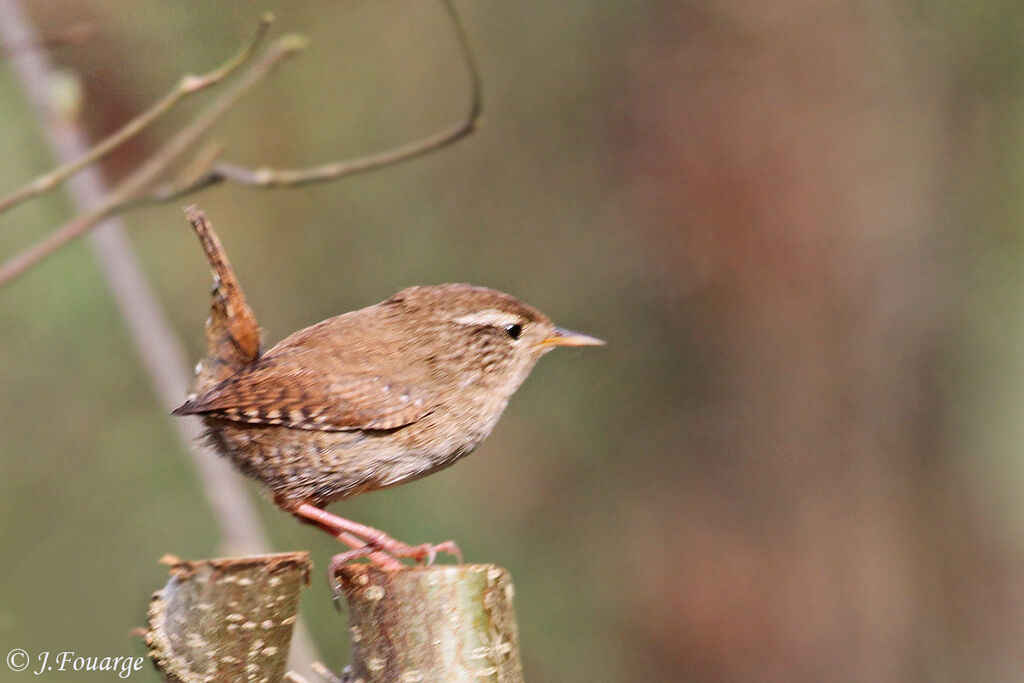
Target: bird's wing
{"type": "Point", "coordinates": [288, 392]}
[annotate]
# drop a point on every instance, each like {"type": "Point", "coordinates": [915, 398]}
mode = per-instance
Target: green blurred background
{"type": "Point", "coordinates": [798, 225]}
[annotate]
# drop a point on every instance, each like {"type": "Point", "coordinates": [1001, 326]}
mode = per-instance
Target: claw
{"type": "Point", "coordinates": [431, 554]}
{"type": "Point", "coordinates": [427, 552]}
{"type": "Point", "coordinates": [450, 548]}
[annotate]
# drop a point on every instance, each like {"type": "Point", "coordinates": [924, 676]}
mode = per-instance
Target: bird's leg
{"type": "Point", "coordinates": [359, 548]}
{"type": "Point", "coordinates": [339, 526]}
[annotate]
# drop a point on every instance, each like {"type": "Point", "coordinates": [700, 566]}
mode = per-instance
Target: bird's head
{"type": "Point", "coordinates": [486, 337]}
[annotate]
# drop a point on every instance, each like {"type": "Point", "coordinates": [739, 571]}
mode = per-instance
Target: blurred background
{"type": "Point", "coordinates": [798, 225]}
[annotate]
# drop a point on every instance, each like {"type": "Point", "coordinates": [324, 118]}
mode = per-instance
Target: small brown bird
{"type": "Point", "coordinates": [365, 400]}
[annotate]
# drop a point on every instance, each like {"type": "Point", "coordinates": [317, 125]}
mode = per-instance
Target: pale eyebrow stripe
{"type": "Point", "coordinates": [489, 316]}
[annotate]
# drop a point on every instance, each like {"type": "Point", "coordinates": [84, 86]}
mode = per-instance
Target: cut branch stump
{"type": "Point", "coordinates": [434, 623]}
{"type": "Point", "coordinates": [227, 619]}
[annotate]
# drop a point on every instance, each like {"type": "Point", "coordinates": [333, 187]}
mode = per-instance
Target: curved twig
{"type": "Point", "coordinates": [185, 87]}
{"type": "Point", "coordinates": [269, 177]}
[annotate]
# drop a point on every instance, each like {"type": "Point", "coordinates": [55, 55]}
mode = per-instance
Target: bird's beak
{"type": "Point", "coordinates": [563, 337]}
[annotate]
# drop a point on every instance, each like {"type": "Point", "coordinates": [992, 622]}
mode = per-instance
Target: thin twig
{"type": "Point", "coordinates": [186, 86]}
{"type": "Point", "coordinates": [269, 177]}
{"type": "Point", "coordinates": [135, 183]}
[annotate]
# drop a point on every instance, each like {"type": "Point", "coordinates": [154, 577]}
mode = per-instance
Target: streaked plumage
{"type": "Point", "coordinates": [391, 392]}
{"type": "Point", "coordinates": [365, 400]}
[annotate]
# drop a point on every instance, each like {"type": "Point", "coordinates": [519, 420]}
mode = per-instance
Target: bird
{"type": "Point", "coordinates": [365, 400]}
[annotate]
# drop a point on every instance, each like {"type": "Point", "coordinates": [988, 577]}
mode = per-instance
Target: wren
{"type": "Point", "coordinates": [366, 400]}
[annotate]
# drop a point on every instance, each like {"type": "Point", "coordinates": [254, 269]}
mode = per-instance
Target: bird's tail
{"type": "Point", "coordinates": [232, 335]}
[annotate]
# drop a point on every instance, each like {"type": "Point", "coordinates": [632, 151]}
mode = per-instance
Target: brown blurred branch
{"type": "Point", "coordinates": [73, 34]}
{"type": "Point", "coordinates": [188, 85]}
{"type": "Point", "coordinates": [270, 177]}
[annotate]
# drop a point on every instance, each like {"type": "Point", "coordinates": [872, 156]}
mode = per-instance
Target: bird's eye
{"type": "Point", "coordinates": [514, 330]}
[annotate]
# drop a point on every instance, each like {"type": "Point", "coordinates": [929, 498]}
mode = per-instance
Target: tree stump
{"type": "Point", "coordinates": [435, 623]}
{"type": "Point", "coordinates": [227, 619]}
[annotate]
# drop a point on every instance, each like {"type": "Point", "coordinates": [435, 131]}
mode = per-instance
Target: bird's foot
{"type": "Point", "coordinates": [382, 560]}
{"type": "Point", "coordinates": [425, 553]}
{"type": "Point", "coordinates": [360, 549]}
{"type": "Point", "coordinates": [385, 560]}
{"type": "Point", "coordinates": [368, 542]}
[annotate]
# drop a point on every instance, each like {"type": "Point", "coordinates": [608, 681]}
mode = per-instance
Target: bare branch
{"type": "Point", "coordinates": [185, 87]}
{"type": "Point", "coordinates": [134, 184]}
{"type": "Point", "coordinates": [269, 177]}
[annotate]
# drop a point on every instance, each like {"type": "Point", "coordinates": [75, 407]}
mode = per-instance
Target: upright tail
{"type": "Point", "coordinates": [232, 335]}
